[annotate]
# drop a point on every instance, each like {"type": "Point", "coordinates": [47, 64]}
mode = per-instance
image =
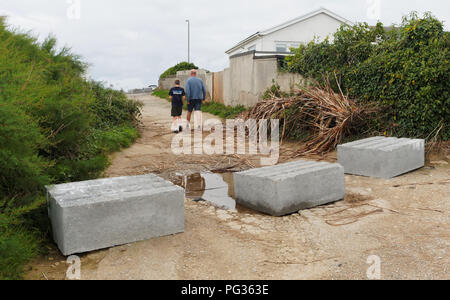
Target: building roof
{"type": "Point", "coordinates": [287, 24]}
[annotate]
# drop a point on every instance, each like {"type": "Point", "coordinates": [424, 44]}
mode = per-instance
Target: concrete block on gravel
{"type": "Point", "coordinates": [382, 157]}
{"type": "Point", "coordinates": [288, 188]}
{"type": "Point", "coordinates": [103, 213]}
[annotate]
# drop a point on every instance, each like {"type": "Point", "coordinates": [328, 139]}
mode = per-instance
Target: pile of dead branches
{"type": "Point", "coordinates": [325, 116]}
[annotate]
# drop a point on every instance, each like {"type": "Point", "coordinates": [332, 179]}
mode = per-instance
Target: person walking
{"type": "Point", "coordinates": [177, 97]}
{"type": "Point", "coordinates": [195, 95]}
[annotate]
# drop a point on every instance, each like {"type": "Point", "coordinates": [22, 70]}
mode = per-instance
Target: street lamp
{"type": "Point", "coordinates": [189, 40]}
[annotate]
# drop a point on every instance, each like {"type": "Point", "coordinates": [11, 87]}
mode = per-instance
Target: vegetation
{"type": "Point", "coordinates": [164, 94]}
{"type": "Point", "coordinates": [405, 70]}
{"type": "Point", "coordinates": [223, 111]}
{"type": "Point", "coordinates": [274, 91]}
{"type": "Point", "coordinates": [183, 66]}
{"type": "Point", "coordinates": [214, 108]}
{"type": "Point", "coordinates": [317, 116]}
{"type": "Point", "coordinates": [55, 127]}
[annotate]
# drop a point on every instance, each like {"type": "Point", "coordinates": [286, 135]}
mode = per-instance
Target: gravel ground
{"type": "Point", "coordinates": [404, 221]}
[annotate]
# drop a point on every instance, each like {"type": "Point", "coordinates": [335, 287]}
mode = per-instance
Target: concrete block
{"type": "Point", "coordinates": [289, 188]}
{"type": "Point", "coordinates": [103, 213]}
{"type": "Point", "coordinates": [382, 157]}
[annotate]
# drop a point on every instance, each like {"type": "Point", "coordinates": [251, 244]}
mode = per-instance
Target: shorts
{"type": "Point", "coordinates": [177, 111]}
{"type": "Point", "coordinates": [195, 104]}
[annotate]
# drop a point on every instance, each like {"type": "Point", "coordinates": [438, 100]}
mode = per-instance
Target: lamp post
{"type": "Point", "coordinates": [189, 40]}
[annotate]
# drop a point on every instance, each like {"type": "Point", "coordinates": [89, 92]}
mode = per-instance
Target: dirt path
{"type": "Point", "coordinates": [404, 221]}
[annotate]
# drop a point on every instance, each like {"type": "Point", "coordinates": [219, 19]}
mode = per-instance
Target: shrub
{"type": "Point", "coordinates": [22, 232]}
{"type": "Point", "coordinates": [223, 111]}
{"type": "Point", "coordinates": [405, 69]}
{"type": "Point", "coordinates": [113, 108]}
{"type": "Point", "coordinates": [183, 66]}
{"type": "Point", "coordinates": [274, 91]}
{"type": "Point", "coordinates": [57, 113]}
{"type": "Point", "coordinates": [21, 168]}
{"type": "Point", "coordinates": [55, 126]}
{"type": "Point", "coordinates": [164, 94]}
{"type": "Point", "coordinates": [17, 248]}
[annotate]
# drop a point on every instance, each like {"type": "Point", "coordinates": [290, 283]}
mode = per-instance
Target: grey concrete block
{"type": "Point", "coordinates": [288, 188]}
{"type": "Point", "coordinates": [382, 157]}
{"type": "Point", "coordinates": [103, 213]}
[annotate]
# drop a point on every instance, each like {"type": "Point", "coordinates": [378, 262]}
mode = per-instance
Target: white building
{"type": "Point", "coordinates": [279, 39]}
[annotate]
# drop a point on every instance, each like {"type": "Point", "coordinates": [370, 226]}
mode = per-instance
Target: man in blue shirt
{"type": "Point", "coordinates": [195, 95]}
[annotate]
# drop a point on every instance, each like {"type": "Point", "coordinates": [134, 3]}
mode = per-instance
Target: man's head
{"type": "Point", "coordinates": [193, 73]}
{"type": "Point", "coordinates": [177, 82]}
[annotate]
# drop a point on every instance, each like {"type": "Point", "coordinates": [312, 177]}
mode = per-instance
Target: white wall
{"type": "Point", "coordinates": [321, 26]}
{"type": "Point", "coordinates": [247, 79]}
{"type": "Point", "coordinates": [245, 48]}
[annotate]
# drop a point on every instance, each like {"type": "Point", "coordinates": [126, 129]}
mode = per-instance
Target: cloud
{"type": "Point", "coordinates": [129, 44]}
{"type": "Point", "coordinates": [130, 34]}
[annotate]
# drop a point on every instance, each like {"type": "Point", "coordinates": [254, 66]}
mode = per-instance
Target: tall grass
{"type": "Point", "coordinates": [223, 111]}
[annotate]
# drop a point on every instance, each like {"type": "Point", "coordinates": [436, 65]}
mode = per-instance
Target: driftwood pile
{"type": "Point", "coordinates": [325, 117]}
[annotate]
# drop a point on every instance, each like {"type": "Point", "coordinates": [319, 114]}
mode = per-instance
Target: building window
{"type": "Point", "coordinates": [295, 45]}
{"type": "Point", "coordinates": [252, 48]}
{"type": "Point", "coordinates": [282, 48]}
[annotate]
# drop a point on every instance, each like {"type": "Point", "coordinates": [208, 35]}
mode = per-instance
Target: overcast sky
{"type": "Point", "coordinates": [130, 43]}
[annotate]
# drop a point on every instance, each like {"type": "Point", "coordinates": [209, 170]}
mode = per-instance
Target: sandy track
{"type": "Point", "coordinates": [404, 221]}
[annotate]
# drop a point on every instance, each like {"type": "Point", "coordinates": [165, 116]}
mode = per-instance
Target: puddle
{"type": "Point", "coordinates": [217, 189]}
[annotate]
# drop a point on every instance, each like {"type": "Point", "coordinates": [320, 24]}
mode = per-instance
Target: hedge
{"type": "Point", "coordinates": [405, 68]}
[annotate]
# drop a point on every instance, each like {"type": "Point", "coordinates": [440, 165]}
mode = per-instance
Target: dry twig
{"type": "Point", "coordinates": [327, 116]}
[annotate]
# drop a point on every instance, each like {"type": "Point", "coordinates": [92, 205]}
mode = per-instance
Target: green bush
{"type": "Point", "coordinates": [58, 112]}
{"type": "Point", "coordinates": [55, 126]}
{"type": "Point", "coordinates": [183, 66]}
{"type": "Point", "coordinates": [405, 69]}
{"type": "Point", "coordinates": [21, 168]}
{"type": "Point", "coordinates": [113, 108]}
{"type": "Point", "coordinates": [23, 231]}
{"type": "Point", "coordinates": [274, 91]}
{"type": "Point", "coordinates": [164, 94]}
{"type": "Point", "coordinates": [223, 111]}
{"type": "Point", "coordinates": [17, 248]}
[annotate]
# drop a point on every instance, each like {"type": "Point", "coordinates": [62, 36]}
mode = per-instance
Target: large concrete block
{"type": "Point", "coordinates": [382, 157]}
{"type": "Point", "coordinates": [288, 188]}
{"type": "Point", "coordinates": [103, 213]}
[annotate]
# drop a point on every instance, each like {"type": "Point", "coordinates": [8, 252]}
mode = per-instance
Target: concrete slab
{"type": "Point", "coordinates": [288, 188]}
{"type": "Point", "coordinates": [382, 157]}
{"type": "Point", "coordinates": [99, 214]}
